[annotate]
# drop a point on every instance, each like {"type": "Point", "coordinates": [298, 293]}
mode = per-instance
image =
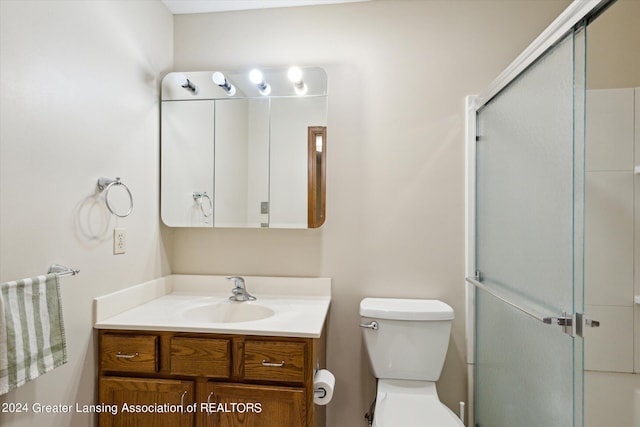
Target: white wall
{"type": "Point", "coordinates": [612, 389]}
{"type": "Point", "coordinates": [610, 218]}
{"type": "Point", "coordinates": [398, 72]}
{"type": "Point", "coordinates": [79, 99]}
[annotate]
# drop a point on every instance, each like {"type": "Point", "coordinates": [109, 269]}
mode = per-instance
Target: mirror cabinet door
{"type": "Point", "coordinates": [290, 122]}
{"type": "Point", "coordinates": [241, 163]}
{"type": "Point", "coordinates": [186, 176]}
{"type": "Point", "coordinates": [240, 157]}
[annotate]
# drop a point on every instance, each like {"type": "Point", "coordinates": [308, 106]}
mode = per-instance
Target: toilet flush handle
{"type": "Point", "coordinates": [373, 325]}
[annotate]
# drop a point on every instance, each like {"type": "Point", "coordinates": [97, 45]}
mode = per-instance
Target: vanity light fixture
{"type": "Point", "coordinates": [257, 79]}
{"type": "Point", "coordinates": [183, 81]}
{"type": "Point", "coordinates": [219, 79]}
{"type": "Point", "coordinates": [295, 76]}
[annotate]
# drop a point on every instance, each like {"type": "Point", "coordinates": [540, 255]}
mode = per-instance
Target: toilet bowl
{"type": "Point", "coordinates": [406, 341]}
{"type": "Point", "coordinates": [406, 403]}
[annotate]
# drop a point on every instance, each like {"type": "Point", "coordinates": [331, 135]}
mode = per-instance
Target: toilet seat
{"type": "Point", "coordinates": [405, 403]}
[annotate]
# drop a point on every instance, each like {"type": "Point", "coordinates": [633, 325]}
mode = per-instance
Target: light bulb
{"type": "Point", "coordinates": [295, 75]}
{"type": "Point", "coordinates": [219, 79]}
{"type": "Point", "coordinates": [256, 76]}
{"type": "Point", "coordinates": [257, 79]}
{"type": "Point", "coordinates": [180, 79]}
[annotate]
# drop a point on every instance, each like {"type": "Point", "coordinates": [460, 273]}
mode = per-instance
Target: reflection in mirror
{"type": "Point", "coordinates": [317, 152]}
{"type": "Point", "coordinates": [241, 162]}
{"type": "Point", "coordinates": [290, 121]}
{"type": "Point", "coordinates": [187, 156]}
{"type": "Point", "coordinates": [244, 143]}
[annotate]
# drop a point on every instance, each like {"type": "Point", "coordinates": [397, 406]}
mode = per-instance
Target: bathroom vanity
{"type": "Point", "coordinates": [174, 361]}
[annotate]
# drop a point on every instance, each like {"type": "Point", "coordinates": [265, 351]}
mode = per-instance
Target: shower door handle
{"type": "Point", "coordinates": [571, 324]}
{"type": "Point", "coordinates": [592, 323]}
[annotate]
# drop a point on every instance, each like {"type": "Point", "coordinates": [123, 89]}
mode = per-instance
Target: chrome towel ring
{"type": "Point", "coordinates": [106, 184]}
{"type": "Point", "coordinates": [198, 198]}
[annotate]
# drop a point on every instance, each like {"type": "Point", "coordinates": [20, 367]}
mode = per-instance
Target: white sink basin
{"type": "Point", "coordinates": [228, 312]}
{"type": "Point", "coordinates": [286, 306]}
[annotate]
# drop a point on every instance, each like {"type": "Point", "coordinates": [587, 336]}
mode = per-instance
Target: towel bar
{"type": "Point", "coordinates": [62, 271]}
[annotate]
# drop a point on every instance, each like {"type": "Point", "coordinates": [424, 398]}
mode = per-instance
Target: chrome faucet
{"type": "Point", "coordinates": [239, 290]}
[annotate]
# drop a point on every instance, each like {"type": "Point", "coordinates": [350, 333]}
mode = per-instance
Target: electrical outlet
{"type": "Point", "coordinates": [119, 241]}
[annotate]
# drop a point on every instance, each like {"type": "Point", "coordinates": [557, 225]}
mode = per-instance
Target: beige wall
{"type": "Point", "coordinates": [398, 74]}
{"type": "Point", "coordinates": [79, 99]}
{"type": "Point", "coordinates": [612, 47]}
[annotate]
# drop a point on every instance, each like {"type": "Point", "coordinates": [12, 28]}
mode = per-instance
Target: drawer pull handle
{"type": "Point", "coordinates": [182, 399]}
{"type": "Point", "coordinates": [273, 365]}
{"type": "Point", "coordinates": [126, 356]}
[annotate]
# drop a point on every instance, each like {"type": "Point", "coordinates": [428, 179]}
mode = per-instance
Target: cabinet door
{"type": "Point", "coordinates": [239, 405]}
{"type": "Point", "coordinates": [145, 402]}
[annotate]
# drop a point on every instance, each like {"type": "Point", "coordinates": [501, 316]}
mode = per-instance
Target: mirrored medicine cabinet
{"type": "Point", "coordinates": [244, 149]}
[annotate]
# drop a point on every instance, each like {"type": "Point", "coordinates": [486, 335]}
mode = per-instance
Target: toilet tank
{"type": "Point", "coordinates": [411, 337]}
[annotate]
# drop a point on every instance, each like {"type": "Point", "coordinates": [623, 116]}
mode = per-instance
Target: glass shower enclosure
{"type": "Point", "coordinates": [529, 232]}
{"type": "Point", "coordinates": [525, 255]}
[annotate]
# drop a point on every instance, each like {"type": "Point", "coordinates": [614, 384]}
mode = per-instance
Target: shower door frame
{"type": "Point", "coordinates": [577, 12]}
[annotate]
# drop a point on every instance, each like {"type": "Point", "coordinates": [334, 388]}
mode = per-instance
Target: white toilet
{"type": "Point", "coordinates": [407, 341]}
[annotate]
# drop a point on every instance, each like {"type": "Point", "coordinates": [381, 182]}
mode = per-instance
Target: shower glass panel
{"type": "Point", "coordinates": [529, 243]}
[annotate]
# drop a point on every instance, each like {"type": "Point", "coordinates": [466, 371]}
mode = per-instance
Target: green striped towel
{"type": "Point", "coordinates": [32, 340]}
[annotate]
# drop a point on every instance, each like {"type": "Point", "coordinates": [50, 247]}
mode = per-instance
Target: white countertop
{"type": "Point", "coordinates": [300, 305]}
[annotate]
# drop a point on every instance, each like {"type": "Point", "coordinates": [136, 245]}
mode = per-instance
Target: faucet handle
{"type": "Point", "coordinates": [239, 291]}
{"type": "Point", "coordinates": [237, 280]}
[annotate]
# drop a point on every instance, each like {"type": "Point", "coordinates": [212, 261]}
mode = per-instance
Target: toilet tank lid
{"type": "Point", "coordinates": [405, 309]}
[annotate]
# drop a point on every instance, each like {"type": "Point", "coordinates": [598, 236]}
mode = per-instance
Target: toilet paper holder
{"type": "Point", "coordinates": [323, 385]}
{"type": "Point", "coordinates": [319, 392]}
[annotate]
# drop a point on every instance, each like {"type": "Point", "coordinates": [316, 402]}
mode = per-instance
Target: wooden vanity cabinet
{"type": "Point", "coordinates": [271, 405]}
{"type": "Point", "coordinates": [218, 379]}
{"type": "Point", "coordinates": [139, 393]}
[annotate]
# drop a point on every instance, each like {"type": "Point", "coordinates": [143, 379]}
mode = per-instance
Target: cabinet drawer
{"type": "Point", "coordinates": [274, 361]}
{"type": "Point", "coordinates": [203, 357]}
{"type": "Point", "coordinates": [130, 353]}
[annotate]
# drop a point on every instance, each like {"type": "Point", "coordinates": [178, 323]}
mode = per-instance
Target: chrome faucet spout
{"type": "Point", "coordinates": [239, 290]}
